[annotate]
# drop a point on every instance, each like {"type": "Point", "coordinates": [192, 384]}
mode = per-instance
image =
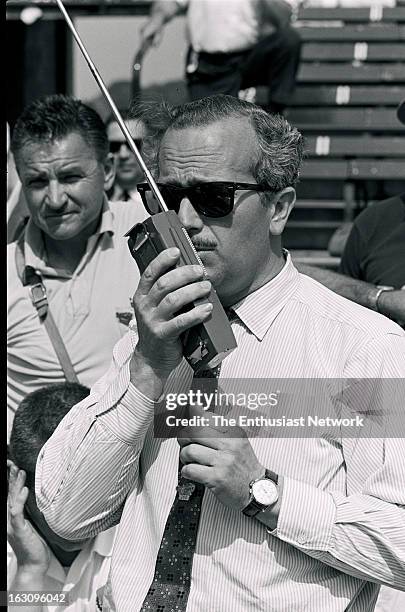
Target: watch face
{"type": "Point", "coordinates": [265, 492]}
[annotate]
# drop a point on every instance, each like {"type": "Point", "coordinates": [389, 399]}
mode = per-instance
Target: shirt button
{"type": "Point", "coordinates": [302, 538]}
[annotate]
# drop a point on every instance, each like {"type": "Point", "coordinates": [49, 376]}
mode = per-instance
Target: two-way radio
{"type": "Point", "coordinates": [206, 344]}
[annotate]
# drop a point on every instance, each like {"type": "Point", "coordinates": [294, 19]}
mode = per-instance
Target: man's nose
{"type": "Point", "coordinates": [123, 152]}
{"type": "Point", "coordinates": [189, 217]}
{"type": "Point", "coordinates": [56, 196]}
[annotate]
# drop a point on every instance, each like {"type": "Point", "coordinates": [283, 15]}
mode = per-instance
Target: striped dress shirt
{"type": "Point", "coordinates": [341, 526]}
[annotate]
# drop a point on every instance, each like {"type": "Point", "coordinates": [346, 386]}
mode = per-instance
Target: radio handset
{"type": "Point", "coordinates": [206, 344]}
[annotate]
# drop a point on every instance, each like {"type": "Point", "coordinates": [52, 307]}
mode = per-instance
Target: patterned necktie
{"type": "Point", "coordinates": [171, 583]}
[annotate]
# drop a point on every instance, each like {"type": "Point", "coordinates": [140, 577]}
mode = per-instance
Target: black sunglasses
{"type": "Point", "coordinates": [115, 145]}
{"type": "Point", "coordinates": [214, 199]}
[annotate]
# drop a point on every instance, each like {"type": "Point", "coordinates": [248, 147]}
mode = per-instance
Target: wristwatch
{"type": "Point", "coordinates": [380, 290]}
{"type": "Point", "coordinates": [263, 493]}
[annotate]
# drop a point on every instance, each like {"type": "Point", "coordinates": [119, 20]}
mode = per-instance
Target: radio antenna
{"type": "Point", "coordinates": [113, 107]}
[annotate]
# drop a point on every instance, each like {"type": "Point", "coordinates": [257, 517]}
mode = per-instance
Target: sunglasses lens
{"type": "Point", "coordinates": [171, 196]}
{"type": "Point", "coordinates": [215, 200]}
{"type": "Point", "coordinates": [115, 145]}
{"type": "Point", "coordinates": [209, 200]}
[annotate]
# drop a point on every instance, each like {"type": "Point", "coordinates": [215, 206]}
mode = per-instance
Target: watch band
{"type": "Point", "coordinates": [253, 506]}
{"type": "Point", "coordinates": [379, 292]}
{"type": "Point", "coordinates": [271, 476]}
{"type": "Point", "coordinates": [375, 296]}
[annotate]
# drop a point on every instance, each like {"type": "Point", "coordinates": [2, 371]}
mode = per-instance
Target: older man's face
{"type": "Point", "coordinates": [235, 249]}
{"type": "Point", "coordinates": [63, 183]}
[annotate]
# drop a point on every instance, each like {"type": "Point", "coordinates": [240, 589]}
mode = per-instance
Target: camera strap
{"type": "Point", "coordinates": [32, 279]}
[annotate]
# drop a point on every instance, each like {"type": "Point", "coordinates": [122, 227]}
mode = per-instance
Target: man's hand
{"type": "Point", "coordinates": [162, 11]}
{"type": "Point", "coordinates": [225, 464]}
{"type": "Point", "coordinates": [392, 305]}
{"type": "Point", "coordinates": [162, 292]}
{"type": "Point", "coordinates": [32, 554]}
{"type": "Point", "coordinates": [152, 33]}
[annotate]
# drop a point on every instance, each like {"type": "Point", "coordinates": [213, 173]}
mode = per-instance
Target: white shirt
{"type": "Point", "coordinates": [87, 306]}
{"type": "Point", "coordinates": [222, 25]}
{"type": "Point", "coordinates": [88, 572]}
{"type": "Point", "coordinates": [341, 522]}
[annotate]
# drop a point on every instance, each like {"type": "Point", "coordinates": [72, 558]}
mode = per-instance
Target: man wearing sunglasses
{"type": "Point", "coordinates": [127, 170]}
{"type": "Point", "coordinates": [310, 521]}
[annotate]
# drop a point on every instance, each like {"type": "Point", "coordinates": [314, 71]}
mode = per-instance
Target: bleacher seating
{"type": "Point", "coordinates": [351, 79]}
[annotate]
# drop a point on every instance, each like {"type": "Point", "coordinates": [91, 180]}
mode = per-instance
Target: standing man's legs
{"type": "Point", "coordinates": [274, 62]}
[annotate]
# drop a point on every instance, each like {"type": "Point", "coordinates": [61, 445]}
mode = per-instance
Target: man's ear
{"type": "Point", "coordinates": [282, 205]}
{"type": "Point", "coordinates": [109, 171]}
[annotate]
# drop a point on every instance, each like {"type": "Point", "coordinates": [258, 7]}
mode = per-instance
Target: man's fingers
{"type": "Point", "coordinates": [172, 280]}
{"type": "Point", "coordinates": [195, 453]}
{"type": "Point", "coordinates": [197, 473]}
{"type": "Point", "coordinates": [186, 320]}
{"type": "Point", "coordinates": [183, 297]}
{"type": "Point", "coordinates": [15, 484]}
{"type": "Point", "coordinates": [160, 281]}
{"type": "Point", "coordinates": [161, 264]}
{"type": "Point", "coordinates": [16, 511]}
{"type": "Point", "coordinates": [17, 496]}
{"type": "Point", "coordinates": [12, 474]}
{"type": "Point", "coordinates": [211, 437]}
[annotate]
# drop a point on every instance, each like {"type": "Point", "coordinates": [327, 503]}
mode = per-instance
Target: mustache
{"type": "Point", "coordinates": [203, 245]}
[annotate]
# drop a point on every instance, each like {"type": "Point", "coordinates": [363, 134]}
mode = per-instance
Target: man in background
{"type": "Point", "coordinates": [234, 45]}
{"type": "Point", "coordinates": [72, 259]}
{"type": "Point", "coordinates": [127, 170]}
{"type": "Point", "coordinates": [16, 209]}
{"type": "Point", "coordinates": [372, 268]}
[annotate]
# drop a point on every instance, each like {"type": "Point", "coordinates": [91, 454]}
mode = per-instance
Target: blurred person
{"type": "Point", "coordinates": [372, 267]}
{"type": "Point", "coordinates": [73, 246]}
{"type": "Point", "coordinates": [271, 522]}
{"type": "Point", "coordinates": [17, 212]}
{"type": "Point", "coordinates": [234, 45]}
{"type": "Point", "coordinates": [12, 176]}
{"type": "Point", "coordinates": [39, 559]}
{"type": "Point", "coordinates": [127, 170]}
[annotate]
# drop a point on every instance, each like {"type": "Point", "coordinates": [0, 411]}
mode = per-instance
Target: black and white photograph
{"type": "Point", "coordinates": [205, 305]}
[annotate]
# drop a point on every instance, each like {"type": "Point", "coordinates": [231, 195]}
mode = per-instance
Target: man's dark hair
{"type": "Point", "coordinates": [54, 117]}
{"type": "Point", "coordinates": [280, 146]}
{"type": "Point", "coordinates": [36, 418]}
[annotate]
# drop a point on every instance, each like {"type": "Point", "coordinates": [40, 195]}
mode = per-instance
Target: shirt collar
{"type": "Point", "coordinates": [104, 542]}
{"type": "Point", "coordinates": [118, 191]}
{"type": "Point", "coordinates": [101, 545]}
{"type": "Point", "coordinates": [258, 310]}
{"type": "Point", "coordinates": [34, 243]}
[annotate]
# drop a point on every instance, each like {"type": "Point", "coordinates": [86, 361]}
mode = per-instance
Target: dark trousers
{"type": "Point", "coordinates": [272, 62]}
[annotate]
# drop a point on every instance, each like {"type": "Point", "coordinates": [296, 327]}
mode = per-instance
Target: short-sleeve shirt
{"type": "Point", "coordinates": [91, 307]}
{"type": "Point", "coordinates": [375, 248]}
